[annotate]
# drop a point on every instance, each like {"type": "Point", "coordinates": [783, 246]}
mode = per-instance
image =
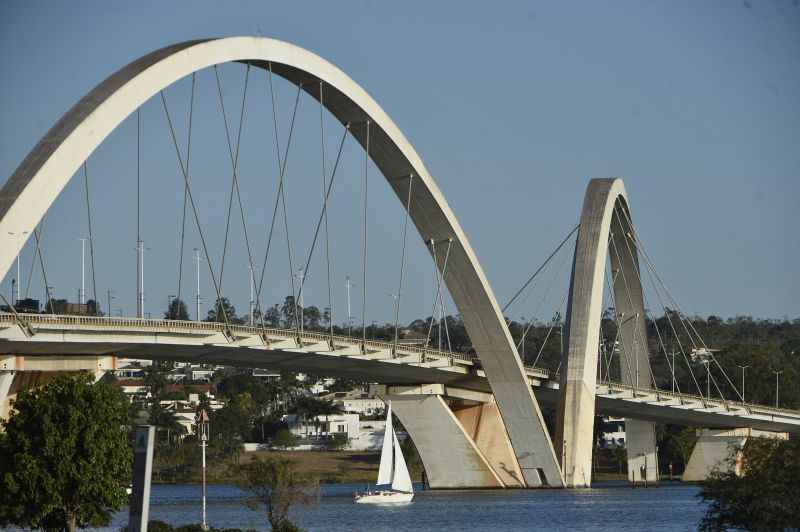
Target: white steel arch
{"type": "Point", "coordinates": [605, 232]}
{"type": "Point", "coordinates": [36, 183]}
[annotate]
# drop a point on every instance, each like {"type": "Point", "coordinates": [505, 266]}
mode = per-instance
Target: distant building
{"type": "Point", "coordinates": [613, 432]}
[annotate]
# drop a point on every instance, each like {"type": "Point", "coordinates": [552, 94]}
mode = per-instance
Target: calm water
{"type": "Point", "coordinates": [607, 507]}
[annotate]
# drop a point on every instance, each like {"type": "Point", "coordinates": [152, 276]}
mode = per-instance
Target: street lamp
{"type": "Point", "coordinates": [777, 385]}
{"type": "Point", "coordinates": [201, 420]}
{"type": "Point", "coordinates": [19, 235]}
{"type": "Point", "coordinates": [742, 368]}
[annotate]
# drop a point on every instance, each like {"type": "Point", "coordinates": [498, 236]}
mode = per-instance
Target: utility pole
{"type": "Point", "coordinates": [109, 297]}
{"type": "Point", "coordinates": [777, 386]}
{"type": "Point", "coordinates": [140, 278]}
{"type": "Point", "coordinates": [743, 368]}
{"type": "Point", "coordinates": [197, 292]}
{"type": "Point", "coordinates": [348, 284]}
{"type": "Point", "coordinates": [82, 292]}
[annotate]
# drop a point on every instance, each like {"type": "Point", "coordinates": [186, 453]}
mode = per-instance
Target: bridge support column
{"type": "Point", "coordinates": [462, 442]}
{"type": "Point", "coordinates": [640, 443]}
{"type": "Point", "coordinates": [714, 447]}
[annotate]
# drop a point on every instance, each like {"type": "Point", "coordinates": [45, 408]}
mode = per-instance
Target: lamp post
{"type": "Point", "coordinates": [201, 420]}
{"type": "Point", "coordinates": [742, 368]}
{"type": "Point", "coordinates": [19, 274]}
{"type": "Point", "coordinates": [777, 385]}
{"type": "Point", "coordinates": [82, 293]}
{"type": "Point", "coordinates": [673, 371]}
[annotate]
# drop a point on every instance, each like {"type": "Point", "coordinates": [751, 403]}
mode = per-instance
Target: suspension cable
{"type": "Point", "coordinates": [443, 317]}
{"type": "Point", "coordinates": [618, 209]}
{"type": "Point", "coordinates": [324, 187]}
{"type": "Point", "coordinates": [610, 281]}
{"type": "Point", "coordinates": [91, 236]}
{"type": "Point", "coordinates": [235, 189]}
{"type": "Point", "coordinates": [281, 176]}
{"type": "Point", "coordinates": [183, 217]}
{"type": "Point", "coordinates": [539, 269]}
{"type": "Point", "coordinates": [323, 212]}
{"type": "Point", "coordinates": [637, 331]}
{"type": "Point", "coordinates": [651, 273]}
{"type": "Point", "coordinates": [402, 265]}
{"type": "Point", "coordinates": [39, 229]}
{"type": "Point", "coordinates": [221, 307]}
{"type": "Point", "coordinates": [364, 258]}
{"type": "Point", "coordinates": [49, 301]}
{"type": "Point", "coordinates": [545, 297]}
{"type": "Point", "coordinates": [637, 241]}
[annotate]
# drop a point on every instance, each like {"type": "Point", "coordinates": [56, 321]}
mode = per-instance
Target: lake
{"type": "Point", "coordinates": [606, 507]}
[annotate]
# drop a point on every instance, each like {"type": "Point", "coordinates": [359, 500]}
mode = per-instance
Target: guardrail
{"type": "Point", "coordinates": [215, 327]}
{"type": "Point", "coordinates": [750, 407]}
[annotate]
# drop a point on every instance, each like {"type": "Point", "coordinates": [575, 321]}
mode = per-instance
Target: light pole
{"type": "Point", "coordinates": [139, 278]}
{"type": "Point", "coordinates": [349, 284]}
{"type": "Point", "coordinates": [197, 292]}
{"type": "Point", "coordinates": [252, 293]}
{"type": "Point", "coordinates": [19, 271]}
{"type": "Point", "coordinates": [202, 425]}
{"type": "Point", "coordinates": [743, 368]}
{"type": "Point", "coordinates": [82, 293]}
{"type": "Point", "coordinates": [673, 371]}
{"type": "Point", "coordinates": [777, 385]}
{"type": "Point", "coordinates": [109, 297]}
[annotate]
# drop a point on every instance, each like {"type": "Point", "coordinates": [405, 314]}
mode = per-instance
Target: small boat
{"type": "Point", "coordinates": [394, 482]}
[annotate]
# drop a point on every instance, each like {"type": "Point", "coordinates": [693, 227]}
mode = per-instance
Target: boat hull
{"type": "Point", "coordinates": [383, 497]}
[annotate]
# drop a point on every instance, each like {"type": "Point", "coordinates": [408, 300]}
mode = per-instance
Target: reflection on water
{"type": "Point", "coordinates": [607, 507]}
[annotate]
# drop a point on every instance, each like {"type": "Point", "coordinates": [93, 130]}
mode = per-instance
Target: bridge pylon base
{"type": "Point", "coordinates": [714, 447]}
{"type": "Point", "coordinates": [462, 442]}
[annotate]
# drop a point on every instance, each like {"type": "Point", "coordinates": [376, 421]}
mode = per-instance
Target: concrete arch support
{"type": "Point", "coordinates": [39, 179]}
{"type": "Point", "coordinates": [604, 234]}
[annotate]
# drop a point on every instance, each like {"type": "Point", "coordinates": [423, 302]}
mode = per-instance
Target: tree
{"type": "Point", "coordinates": [275, 484]}
{"type": "Point", "coordinates": [763, 496]}
{"type": "Point", "coordinates": [222, 309]}
{"type": "Point", "coordinates": [284, 439]}
{"type": "Point", "coordinates": [65, 459]}
{"type": "Point", "coordinates": [176, 310]}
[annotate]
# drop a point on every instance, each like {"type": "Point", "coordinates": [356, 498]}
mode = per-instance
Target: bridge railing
{"type": "Point", "coordinates": [750, 407]}
{"type": "Point", "coordinates": [216, 327]}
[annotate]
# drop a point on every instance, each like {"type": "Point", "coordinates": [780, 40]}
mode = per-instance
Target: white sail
{"type": "Point", "coordinates": [401, 480]}
{"type": "Point", "coordinates": [385, 470]}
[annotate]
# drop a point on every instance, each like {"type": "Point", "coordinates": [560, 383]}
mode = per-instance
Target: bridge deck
{"type": "Point", "coordinates": [336, 355]}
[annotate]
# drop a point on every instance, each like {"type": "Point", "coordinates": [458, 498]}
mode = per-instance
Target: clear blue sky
{"type": "Point", "coordinates": [512, 106]}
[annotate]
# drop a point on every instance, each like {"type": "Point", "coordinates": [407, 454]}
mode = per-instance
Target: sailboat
{"type": "Point", "coordinates": [392, 473]}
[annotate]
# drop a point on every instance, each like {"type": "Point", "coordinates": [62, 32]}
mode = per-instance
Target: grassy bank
{"type": "Point", "coordinates": [328, 466]}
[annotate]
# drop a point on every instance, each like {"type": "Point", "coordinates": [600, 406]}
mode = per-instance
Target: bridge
{"type": "Point", "coordinates": [476, 420]}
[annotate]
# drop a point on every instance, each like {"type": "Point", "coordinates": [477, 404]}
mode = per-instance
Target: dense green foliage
{"type": "Point", "coordinates": [65, 459]}
{"type": "Point", "coordinates": [274, 484]}
{"type": "Point", "coordinates": [763, 497]}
